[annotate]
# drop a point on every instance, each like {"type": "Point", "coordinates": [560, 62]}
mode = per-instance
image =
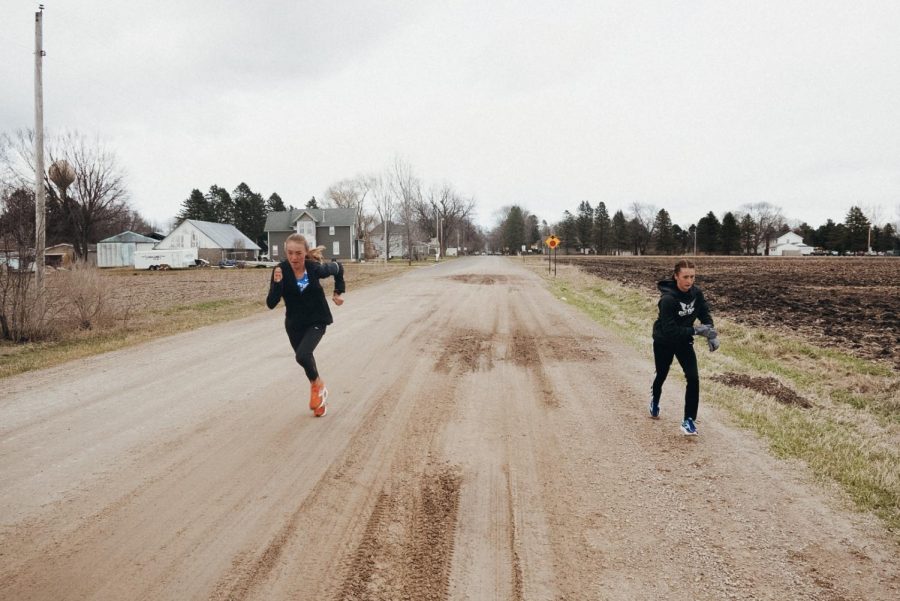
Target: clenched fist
{"type": "Point", "coordinates": [276, 276]}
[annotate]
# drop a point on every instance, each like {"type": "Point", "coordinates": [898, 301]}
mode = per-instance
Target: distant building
{"type": "Point", "coordinates": [213, 241]}
{"type": "Point", "coordinates": [786, 245]}
{"type": "Point", "coordinates": [118, 251]}
{"type": "Point", "coordinates": [335, 229]}
{"type": "Point", "coordinates": [397, 235]}
{"type": "Point", "coordinates": [59, 255]}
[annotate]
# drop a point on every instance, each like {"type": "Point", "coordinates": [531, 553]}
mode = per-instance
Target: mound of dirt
{"type": "Point", "coordinates": [767, 385]}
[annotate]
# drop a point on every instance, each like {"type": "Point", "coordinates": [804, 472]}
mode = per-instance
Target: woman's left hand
{"type": "Point", "coordinates": [337, 299]}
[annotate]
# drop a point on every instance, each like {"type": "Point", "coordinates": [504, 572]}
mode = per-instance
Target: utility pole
{"type": "Point", "coordinates": [40, 229]}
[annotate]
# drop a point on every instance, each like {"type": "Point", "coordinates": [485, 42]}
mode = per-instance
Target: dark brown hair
{"type": "Point", "coordinates": [683, 264]}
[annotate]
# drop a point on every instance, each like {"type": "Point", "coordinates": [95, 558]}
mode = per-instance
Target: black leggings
{"type": "Point", "coordinates": [684, 352]}
{"type": "Point", "coordinates": [304, 342]}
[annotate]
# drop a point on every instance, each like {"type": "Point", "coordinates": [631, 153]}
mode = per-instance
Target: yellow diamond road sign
{"type": "Point", "coordinates": [552, 241]}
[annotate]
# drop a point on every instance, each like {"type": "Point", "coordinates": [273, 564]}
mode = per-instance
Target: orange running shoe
{"type": "Point", "coordinates": [317, 396]}
{"type": "Point", "coordinates": [321, 411]}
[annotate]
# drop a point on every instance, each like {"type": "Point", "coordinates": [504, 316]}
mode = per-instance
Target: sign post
{"type": "Point", "coordinates": [552, 242]}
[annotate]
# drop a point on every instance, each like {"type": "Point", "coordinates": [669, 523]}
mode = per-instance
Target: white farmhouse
{"type": "Point", "coordinates": [787, 245]}
{"type": "Point", "coordinates": [214, 241]}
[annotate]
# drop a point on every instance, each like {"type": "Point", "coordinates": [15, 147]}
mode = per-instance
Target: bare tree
{"type": "Point", "coordinates": [385, 206]}
{"type": "Point", "coordinates": [443, 210]}
{"type": "Point", "coordinates": [16, 259]}
{"type": "Point", "coordinates": [96, 197]}
{"type": "Point", "coordinates": [644, 217]}
{"type": "Point", "coordinates": [408, 192]}
{"type": "Point", "coordinates": [768, 219]}
{"type": "Point", "coordinates": [352, 194]}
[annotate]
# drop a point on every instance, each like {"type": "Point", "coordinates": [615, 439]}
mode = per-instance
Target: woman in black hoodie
{"type": "Point", "coordinates": [306, 314]}
{"type": "Point", "coordinates": [680, 303]}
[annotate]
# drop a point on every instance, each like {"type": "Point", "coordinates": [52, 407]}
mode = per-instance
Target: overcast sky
{"type": "Point", "coordinates": [686, 105]}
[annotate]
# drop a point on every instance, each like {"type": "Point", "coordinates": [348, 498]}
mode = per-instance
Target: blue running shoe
{"type": "Point", "coordinates": [688, 427]}
{"type": "Point", "coordinates": [654, 408]}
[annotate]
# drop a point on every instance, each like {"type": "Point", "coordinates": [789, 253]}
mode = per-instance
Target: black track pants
{"type": "Point", "coordinates": [662, 355]}
{"type": "Point", "coordinates": [304, 342]}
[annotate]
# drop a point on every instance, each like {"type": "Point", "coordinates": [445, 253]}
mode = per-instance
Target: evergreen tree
{"type": "Point", "coordinates": [808, 234]}
{"type": "Point", "coordinates": [888, 240]}
{"type": "Point", "coordinates": [637, 234]}
{"type": "Point", "coordinates": [195, 206]}
{"type": "Point", "coordinates": [824, 235]}
{"type": "Point", "coordinates": [568, 232]}
{"type": "Point", "coordinates": [532, 231]}
{"type": "Point", "coordinates": [857, 224]}
{"type": "Point", "coordinates": [619, 232]}
{"type": "Point", "coordinates": [602, 229]}
{"type": "Point", "coordinates": [221, 205]}
{"type": "Point", "coordinates": [312, 204]}
{"type": "Point", "coordinates": [664, 239]}
{"type": "Point", "coordinates": [250, 213]}
{"type": "Point", "coordinates": [678, 239]}
{"type": "Point", "coordinates": [513, 235]}
{"type": "Point", "coordinates": [837, 238]}
{"type": "Point", "coordinates": [730, 235]}
{"type": "Point", "coordinates": [584, 224]}
{"type": "Point", "coordinates": [708, 233]}
{"type": "Point", "coordinates": [748, 230]}
{"type": "Point", "coordinates": [275, 203]}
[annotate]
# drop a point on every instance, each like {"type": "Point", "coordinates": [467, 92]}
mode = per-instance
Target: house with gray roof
{"type": "Point", "coordinates": [335, 229]}
{"type": "Point", "coordinates": [213, 241]}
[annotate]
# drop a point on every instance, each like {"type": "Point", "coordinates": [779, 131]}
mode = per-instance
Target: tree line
{"type": "Point", "coordinates": [243, 208]}
{"type": "Point", "coordinates": [644, 230]}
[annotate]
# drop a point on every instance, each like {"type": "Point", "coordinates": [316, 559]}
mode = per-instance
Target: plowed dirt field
{"type": "Point", "coordinates": [852, 303]}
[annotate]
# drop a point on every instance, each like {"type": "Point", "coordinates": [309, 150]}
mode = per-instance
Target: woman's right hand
{"type": "Point", "coordinates": [276, 275]}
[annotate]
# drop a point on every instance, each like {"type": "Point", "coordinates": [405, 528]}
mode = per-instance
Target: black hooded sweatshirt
{"type": "Point", "coordinates": [677, 311]}
{"type": "Point", "coordinates": [309, 307]}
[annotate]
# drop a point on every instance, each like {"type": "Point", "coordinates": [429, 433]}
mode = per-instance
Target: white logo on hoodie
{"type": "Point", "coordinates": [686, 309]}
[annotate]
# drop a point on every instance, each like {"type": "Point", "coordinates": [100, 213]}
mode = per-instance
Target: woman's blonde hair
{"type": "Point", "coordinates": [313, 253]}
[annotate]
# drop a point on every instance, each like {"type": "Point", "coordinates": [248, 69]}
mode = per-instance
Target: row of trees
{"type": "Point", "coordinates": [395, 197]}
{"type": "Point", "coordinates": [243, 208]}
{"type": "Point", "coordinates": [404, 205]}
{"type": "Point", "coordinates": [750, 230]}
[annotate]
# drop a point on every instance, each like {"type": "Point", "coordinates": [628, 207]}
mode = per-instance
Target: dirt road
{"type": "Point", "coordinates": [484, 441]}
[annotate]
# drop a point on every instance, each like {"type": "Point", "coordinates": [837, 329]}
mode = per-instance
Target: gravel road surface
{"type": "Point", "coordinates": [484, 441]}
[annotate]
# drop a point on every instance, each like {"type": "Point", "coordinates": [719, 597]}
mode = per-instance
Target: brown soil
{"type": "Point", "coordinates": [191, 468]}
{"type": "Point", "coordinates": [766, 385]}
{"type": "Point", "coordinates": [850, 303]}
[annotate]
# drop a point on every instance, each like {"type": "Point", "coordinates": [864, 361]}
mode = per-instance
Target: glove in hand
{"type": "Point", "coordinates": [713, 344]}
{"type": "Point", "coordinates": [705, 330]}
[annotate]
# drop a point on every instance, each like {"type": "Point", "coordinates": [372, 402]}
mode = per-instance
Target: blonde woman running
{"type": "Point", "coordinates": [306, 315]}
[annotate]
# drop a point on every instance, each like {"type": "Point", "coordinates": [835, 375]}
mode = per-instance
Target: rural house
{"type": "Point", "coordinates": [786, 245]}
{"type": "Point", "coordinates": [118, 251]}
{"type": "Point", "coordinates": [396, 233]}
{"type": "Point", "coordinates": [213, 241]}
{"type": "Point", "coordinates": [335, 229]}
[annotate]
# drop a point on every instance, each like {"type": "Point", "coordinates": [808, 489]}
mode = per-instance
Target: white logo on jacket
{"type": "Point", "coordinates": [686, 309]}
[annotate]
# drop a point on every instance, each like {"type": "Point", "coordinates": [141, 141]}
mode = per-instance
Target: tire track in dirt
{"type": "Point", "coordinates": [249, 569]}
{"type": "Point", "coordinates": [407, 546]}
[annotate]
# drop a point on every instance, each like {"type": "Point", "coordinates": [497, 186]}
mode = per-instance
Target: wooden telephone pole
{"type": "Point", "coordinates": [39, 198]}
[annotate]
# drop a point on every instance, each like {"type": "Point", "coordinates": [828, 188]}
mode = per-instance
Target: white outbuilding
{"type": "Point", "coordinates": [118, 251]}
{"type": "Point", "coordinates": [214, 241]}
